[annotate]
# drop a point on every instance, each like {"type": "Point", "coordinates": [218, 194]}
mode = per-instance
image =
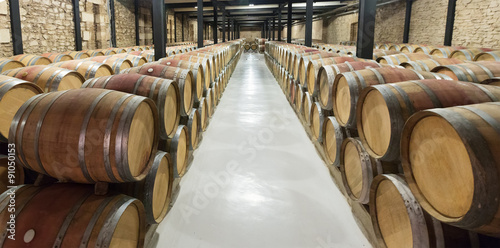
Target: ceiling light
{"type": "Point", "coordinates": [195, 7]}
{"type": "Point", "coordinates": [251, 5]}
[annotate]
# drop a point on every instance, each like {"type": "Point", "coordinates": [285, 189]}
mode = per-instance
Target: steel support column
{"type": "Point", "coordinates": [182, 27]}
{"type": "Point", "coordinates": [158, 9]}
{"type": "Point", "coordinates": [274, 29]}
{"type": "Point", "coordinates": [78, 27]}
{"type": "Point", "coordinates": [279, 22]}
{"type": "Point", "coordinates": [289, 23]}
{"type": "Point", "coordinates": [214, 3]}
{"type": "Point", "coordinates": [175, 27]}
{"type": "Point", "coordinates": [450, 22]}
{"type": "Point", "coordinates": [309, 17]}
{"type": "Point", "coordinates": [223, 25]}
{"type": "Point", "coordinates": [366, 28]}
{"type": "Point", "coordinates": [406, 33]}
{"type": "Point", "coordinates": [200, 23]}
{"type": "Point", "coordinates": [112, 22]}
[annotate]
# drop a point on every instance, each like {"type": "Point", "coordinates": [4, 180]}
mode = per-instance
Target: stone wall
{"type": "Point", "coordinates": [250, 33]}
{"type": "Point", "coordinates": [94, 24]}
{"type": "Point", "coordinates": [390, 22]}
{"type": "Point", "coordinates": [125, 23]}
{"type": "Point", "coordinates": [428, 22]}
{"type": "Point", "coordinates": [145, 23]}
{"type": "Point", "coordinates": [47, 26]}
{"type": "Point", "coordinates": [477, 24]}
{"type": "Point", "coordinates": [5, 36]}
{"type": "Point", "coordinates": [338, 29]}
{"type": "Point", "coordinates": [298, 31]}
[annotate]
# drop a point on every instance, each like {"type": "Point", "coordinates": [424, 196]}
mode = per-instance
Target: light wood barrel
{"type": "Point", "coordinates": [295, 60]}
{"type": "Point", "coordinates": [78, 54]}
{"type": "Point", "coordinates": [383, 109]}
{"type": "Point", "coordinates": [348, 85]}
{"type": "Point", "coordinates": [209, 97]}
{"type": "Point", "coordinates": [254, 47]}
{"type": "Point", "coordinates": [304, 60]}
{"type": "Point", "coordinates": [455, 177]}
{"type": "Point", "coordinates": [211, 60]}
{"type": "Point", "coordinates": [10, 173]}
{"type": "Point", "coordinates": [488, 56]}
{"type": "Point", "coordinates": [307, 103]}
{"type": "Point", "coordinates": [70, 215]}
{"type": "Point", "coordinates": [108, 52]}
{"type": "Point", "coordinates": [9, 64]}
{"type": "Point", "coordinates": [214, 98]}
{"type": "Point", "coordinates": [468, 54]}
{"type": "Point", "coordinates": [317, 118]}
{"type": "Point", "coordinates": [192, 123]}
{"type": "Point", "coordinates": [155, 190]}
{"type": "Point", "coordinates": [13, 94]}
{"type": "Point", "coordinates": [314, 66]}
{"type": "Point", "coordinates": [178, 147]}
{"type": "Point", "coordinates": [164, 92]}
{"type": "Point", "coordinates": [57, 57]}
{"type": "Point", "coordinates": [29, 60]}
{"type": "Point", "coordinates": [109, 136]}
{"type": "Point", "coordinates": [94, 53]}
{"type": "Point", "coordinates": [201, 82]}
{"type": "Point", "coordinates": [407, 48]}
{"type": "Point", "coordinates": [207, 69]}
{"type": "Point", "coordinates": [333, 136]}
{"type": "Point", "coordinates": [135, 59]}
{"type": "Point", "coordinates": [148, 54]}
{"type": "Point", "coordinates": [117, 64]}
{"type": "Point", "coordinates": [395, 47]}
{"type": "Point", "coordinates": [397, 59]}
{"type": "Point", "coordinates": [475, 72]}
{"type": "Point", "coordinates": [88, 69]}
{"type": "Point", "coordinates": [381, 53]}
{"type": "Point", "coordinates": [399, 221]}
{"type": "Point", "coordinates": [183, 77]}
{"type": "Point", "coordinates": [492, 81]}
{"type": "Point", "coordinates": [326, 77]}
{"type": "Point", "coordinates": [299, 99]}
{"type": "Point", "coordinates": [444, 52]}
{"type": "Point", "coordinates": [357, 169]}
{"type": "Point", "coordinates": [48, 78]}
{"type": "Point", "coordinates": [202, 110]}
{"type": "Point", "coordinates": [429, 64]}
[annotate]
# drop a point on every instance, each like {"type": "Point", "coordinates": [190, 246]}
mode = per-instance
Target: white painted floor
{"type": "Point", "coordinates": [256, 179]}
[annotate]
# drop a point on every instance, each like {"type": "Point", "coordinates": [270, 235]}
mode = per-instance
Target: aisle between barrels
{"type": "Point", "coordinates": [256, 180]}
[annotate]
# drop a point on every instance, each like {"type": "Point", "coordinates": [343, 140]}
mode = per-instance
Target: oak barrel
{"type": "Point", "coordinates": [117, 64]}
{"type": "Point", "coordinates": [57, 57]}
{"type": "Point", "coordinates": [164, 92]}
{"type": "Point", "coordinates": [383, 109]}
{"type": "Point", "coordinates": [429, 64]}
{"type": "Point", "coordinates": [475, 72]}
{"type": "Point", "coordinates": [488, 56]}
{"type": "Point", "coordinates": [135, 59]}
{"type": "Point", "coordinates": [88, 69]}
{"type": "Point", "coordinates": [326, 77]}
{"type": "Point", "coordinates": [192, 123]}
{"type": "Point", "coordinates": [9, 64]}
{"type": "Point", "coordinates": [468, 54]}
{"type": "Point", "coordinates": [451, 161]}
{"type": "Point", "coordinates": [314, 66]}
{"type": "Point", "coordinates": [305, 60]}
{"type": "Point", "coordinates": [202, 109]}
{"type": "Point", "coordinates": [317, 118]}
{"type": "Point", "coordinates": [13, 94]}
{"type": "Point", "coordinates": [201, 83]}
{"type": "Point", "coordinates": [155, 190]}
{"type": "Point", "coordinates": [307, 103]}
{"type": "Point", "coordinates": [381, 53]}
{"type": "Point", "coordinates": [444, 52]}
{"type": "Point", "coordinates": [78, 54]}
{"type": "Point", "coordinates": [29, 60]}
{"type": "Point", "coordinates": [333, 136]}
{"type": "Point", "coordinates": [492, 81]}
{"type": "Point", "coordinates": [348, 85]}
{"type": "Point", "coordinates": [48, 78]}
{"type": "Point", "coordinates": [108, 136]}
{"type": "Point", "coordinates": [178, 147]}
{"type": "Point", "coordinates": [183, 77]}
{"type": "Point", "coordinates": [397, 59]}
{"type": "Point", "coordinates": [70, 215]}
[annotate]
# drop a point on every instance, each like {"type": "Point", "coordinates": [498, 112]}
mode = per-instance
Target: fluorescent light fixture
{"type": "Point", "coordinates": [195, 7]}
{"type": "Point", "coordinates": [251, 5]}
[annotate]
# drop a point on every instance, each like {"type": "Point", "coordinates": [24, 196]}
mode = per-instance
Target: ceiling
{"type": "Point", "coordinates": [252, 12]}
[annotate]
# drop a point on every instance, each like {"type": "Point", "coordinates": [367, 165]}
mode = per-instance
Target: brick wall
{"type": "Point", "coordinates": [145, 23]}
{"type": "Point", "coordinates": [477, 23]}
{"type": "Point", "coordinates": [390, 22]}
{"type": "Point", "coordinates": [5, 36]}
{"type": "Point", "coordinates": [125, 23]}
{"type": "Point", "coordinates": [338, 29]}
{"type": "Point", "coordinates": [428, 27]}
{"type": "Point", "coordinates": [250, 33]}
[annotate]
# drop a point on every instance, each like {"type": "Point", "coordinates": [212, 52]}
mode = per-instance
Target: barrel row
{"type": "Point", "coordinates": [417, 146]}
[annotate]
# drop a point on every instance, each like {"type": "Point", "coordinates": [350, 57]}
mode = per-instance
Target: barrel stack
{"type": "Point", "coordinates": [412, 135]}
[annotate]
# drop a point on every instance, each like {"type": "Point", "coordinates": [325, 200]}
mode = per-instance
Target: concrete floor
{"type": "Point", "coordinates": [256, 179]}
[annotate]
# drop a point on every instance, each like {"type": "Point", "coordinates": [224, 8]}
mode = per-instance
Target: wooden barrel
{"type": "Point", "coordinates": [254, 47]}
{"type": "Point", "coordinates": [475, 72]}
{"type": "Point", "coordinates": [214, 98]}
{"type": "Point", "coordinates": [209, 97]}
{"type": "Point", "coordinates": [492, 81]}
{"type": "Point", "coordinates": [109, 136]}
{"type": "Point", "coordinates": [304, 61]}
{"type": "Point", "coordinates": [444, 52]}
{"type": "Point", "coordinates": [183, 77]}
{"type": "Point", "coordinates": [247, 47]}
{"type": "Point", "coordinates": [178, 147]}
{"type": "Point", "coordinates": [108, 52]}
{"type": "Point", "coordinates": [333, 136]}
{"type": "Point", "coordinates": [383, 109]}
{"type": "Point", "coordinates": [317, 118]}
{"type": "Point", "coordinates": [207, 69]}
{"type": "Point", "coordinates": [148, 54]}
{"type": "Point", "coordinates": [57, 57]}
{"type": "Point", "coordinates": [381, 53]}
{"type": "Point", "coordinates": [357, 169]}
{"type": "Point", "coordinates": [300, 99]}
{"type": "Point", "coordinates": [455, 177]}
{"type": "Point", "coordinates": [29, 60]}
{"type": "Point", "coordinates": [468, 54]}
{"type": "Point", "coordinates": [70, 215]}
{"type": "Point", "coordinates": [314, 66]}
{"type": "Point", "coordinates": [9, 64]}
{"type": "Point", "coordinates": [384, 46]}
{"type": "Point", "coordinates": [326, 77]}
{"type": "Point", "coordinates": [88, 69]}
{"type": "Point", "coordinates": [118, 50]}
{"type": "Point", "coordinates": [211, 60]}
{"type": "Point", "coordinates": [202, 110]}
{"type": "Point", "coordinates": [397, 59]}
{"type": "Point", "coordinates": [429, 64]}
{"type": "Point", "coordinates": [395, 47]}
{"type": "Point", "coordinates": [13, 94]}
{"type": "Point", "coordinates": [94, 53]}
{"type": "Point", "coordinates": [117, 64]}
{"type": "Point", "coordinates": [306, 108]}
{"type": "Point", "coordinates": [135, 59]}
{"type": "Point", "coordinates": [10, 173]}
{"type": "Point", "coordinates": [164, 92]}
{"type": "Point", "coordinates": [398, 220]}
{"type": "Point", "coordinates": [348, 85]}
{"type": "Point", "coordinates": [488, 56]}
{"type": "Point", "coordinates": [294, 60]}
{"type": "Point", "coordinates": [407, 48]}
{"type": "Point", "coordinates": [77, 54]}
{"type": "Point", "coordinates": [192, 123]}
{"type": "Point", "coordinates": [155, 190]}
{"type": "Point", "coordinates": [201, 82]}
{"type": "Point", "coordinates": [48, 78]}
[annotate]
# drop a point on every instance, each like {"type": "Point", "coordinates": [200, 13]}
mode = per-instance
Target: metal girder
{"type": "Point", "coordinates": [309, 17]}
{"type": "Point", "coordinates": [366, 29]}
{"type": "Point", "coordinates": [450, 22]}
{"type": "Point", "coordinates": [159, 23]}
{"type": "Point", "coordinates": [78, 27]}
{"type": "Point", "coordinates": [200, 23]}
